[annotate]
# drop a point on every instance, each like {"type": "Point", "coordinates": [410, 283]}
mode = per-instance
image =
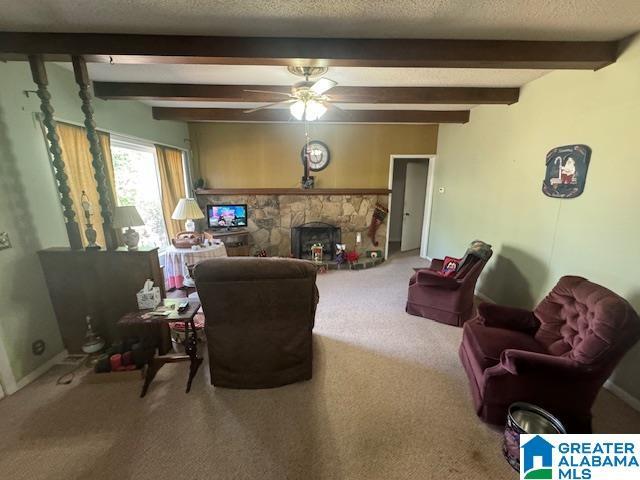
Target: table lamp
{"type": "Point", "coordinates": [188, 209]}
{"type": "Point", "coordinates": [127, 217]}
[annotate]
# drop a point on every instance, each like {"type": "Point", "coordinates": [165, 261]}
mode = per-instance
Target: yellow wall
{"type": "Point", "coordinates": [493, 169]}
{"type": "Point", "coordinates": [236, 155]}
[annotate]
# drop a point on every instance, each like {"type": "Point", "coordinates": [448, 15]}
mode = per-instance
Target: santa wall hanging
{"type": "Point", "coordinates": [566, 171]}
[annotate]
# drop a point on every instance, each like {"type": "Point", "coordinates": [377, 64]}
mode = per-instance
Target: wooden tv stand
{"type": "Point", "coordinates": [236, 241]}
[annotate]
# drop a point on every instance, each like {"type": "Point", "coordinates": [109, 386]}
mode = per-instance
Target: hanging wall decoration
{"type": "Point", "coordinates": [379, 215]}
{"type": "Point", "coordinates": [566, 171]}
{"type": "Point", "coordinates": [316, 155]}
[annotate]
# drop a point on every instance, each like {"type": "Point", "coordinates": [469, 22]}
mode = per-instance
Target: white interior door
{"type": "Point", "coordinates": [414, 197]}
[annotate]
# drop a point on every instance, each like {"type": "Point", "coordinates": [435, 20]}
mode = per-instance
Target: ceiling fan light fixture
{"type": "Point", "coordinates": [315, 110]}
{"type": "Point", "coordinates": [297, 109]}
{"type": "Point", "coordinates": [307, 100]}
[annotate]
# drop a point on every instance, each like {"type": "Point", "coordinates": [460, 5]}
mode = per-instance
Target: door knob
{"type": "Point", "coordinates": [406, 214]}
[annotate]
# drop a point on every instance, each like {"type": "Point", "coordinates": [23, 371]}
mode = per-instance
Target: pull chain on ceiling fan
{"type": "Point", "coordinates": [307, 101]}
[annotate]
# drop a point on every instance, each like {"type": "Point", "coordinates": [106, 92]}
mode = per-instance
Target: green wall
{"type": "Point", "coordinates": [29, 206]}
{"type": "Point", "coordinates": [492, 170]}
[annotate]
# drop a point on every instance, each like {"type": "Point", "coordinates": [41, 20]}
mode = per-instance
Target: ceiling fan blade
{"type": "Point", "coordinates": [269, 92]}
{"type": "Point", "coordinates": [270, 105]}
{"type": "Point", "coordinates": [322, 85]}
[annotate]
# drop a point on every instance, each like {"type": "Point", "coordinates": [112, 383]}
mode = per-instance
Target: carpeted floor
{"type": "Point", "coordinates": [389, 400]}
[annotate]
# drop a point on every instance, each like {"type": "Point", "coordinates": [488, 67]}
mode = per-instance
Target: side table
{"type": "Point", "coordinates": [191, 342]}
{"type": "Point", "coordinates": [178, 260]}
{"type": "Point", "coordinates": [236, 241]}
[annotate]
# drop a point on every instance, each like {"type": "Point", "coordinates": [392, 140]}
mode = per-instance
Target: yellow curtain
{"type": "Point", "coordinates": [77, 158]}
{"type": "Point", "coordinates": [105, 144]}
{"type": "Point", "coordinates": [171, 184]}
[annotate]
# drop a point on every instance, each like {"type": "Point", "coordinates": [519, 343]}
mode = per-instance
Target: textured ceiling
{"type": "Point", "coordinates": [345, 76]}
{"type": "Point", "coordinates": [472, 19]}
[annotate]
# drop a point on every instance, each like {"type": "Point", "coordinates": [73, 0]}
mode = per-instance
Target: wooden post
{"type": "Point", "coordinates": [82, 79]}
{"type": "Point", "coordinates": [39, 75]}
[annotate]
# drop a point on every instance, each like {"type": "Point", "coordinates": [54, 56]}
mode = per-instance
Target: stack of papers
{"type": "Point", "coordinates": [161, 311]}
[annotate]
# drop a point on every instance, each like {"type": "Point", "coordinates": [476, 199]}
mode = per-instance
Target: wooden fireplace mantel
{"type": "Point", "coordinates": [293, 191]}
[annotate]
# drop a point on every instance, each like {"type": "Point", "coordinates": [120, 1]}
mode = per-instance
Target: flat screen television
{"type": "Point", "coordinates": [227, 216]}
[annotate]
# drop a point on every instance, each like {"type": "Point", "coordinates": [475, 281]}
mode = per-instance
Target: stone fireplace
{"type": "Point", "coordinates": [274, 214]}
{"type": "Point", "coordinates": [304, 236]}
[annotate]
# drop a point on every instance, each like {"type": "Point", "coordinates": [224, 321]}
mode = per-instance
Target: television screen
{"type": "Point", "coordinates": [227, 216]}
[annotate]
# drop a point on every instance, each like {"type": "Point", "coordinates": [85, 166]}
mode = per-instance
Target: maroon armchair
{"type": "Point", "coordinates": [447, 299]}
{"type": "Point", "coordinates": [557, 356]}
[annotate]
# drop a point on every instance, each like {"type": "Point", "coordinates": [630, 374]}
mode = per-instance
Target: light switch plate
{"type": "Point", "coordinates": [4, 241]}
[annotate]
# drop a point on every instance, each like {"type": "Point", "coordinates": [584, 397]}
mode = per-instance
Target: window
{"type": "Point", "coordinates": [136, 183]}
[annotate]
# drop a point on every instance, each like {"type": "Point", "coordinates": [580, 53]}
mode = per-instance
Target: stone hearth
{"type": "Point", "coordinates": [271, 218]}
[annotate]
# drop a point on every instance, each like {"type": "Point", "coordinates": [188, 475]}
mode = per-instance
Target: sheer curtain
{"type": "Point", "coordinates": [172, 185]}
{"type": "Point", "coordinates": [77, 158]}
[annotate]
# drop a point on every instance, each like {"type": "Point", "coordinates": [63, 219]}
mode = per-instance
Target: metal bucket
{"type": "Point", "coordinates": [526, 418]}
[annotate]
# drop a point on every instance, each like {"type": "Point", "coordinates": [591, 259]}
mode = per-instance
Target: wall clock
{"type": "Point", "coordinates": [318, 155]}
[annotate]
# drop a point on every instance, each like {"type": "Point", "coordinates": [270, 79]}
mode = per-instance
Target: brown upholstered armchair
{"type": "Point", "coordinates": [447, 299]}
{"type": "Point", "coordinates": [556, 357]}
{"type": "Point", "coordinates": [259, 318]}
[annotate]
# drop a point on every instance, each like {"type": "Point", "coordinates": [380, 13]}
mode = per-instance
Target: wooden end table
{"type": "Point", "coordinates": [190, 345]}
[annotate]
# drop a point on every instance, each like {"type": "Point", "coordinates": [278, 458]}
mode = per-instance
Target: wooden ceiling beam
{"type": "Point", "coordinates": [178, 49]}
{"type": "Point", "coordinates": [332, 116]}
{"type": "Point", "coordinates": [238, 93]}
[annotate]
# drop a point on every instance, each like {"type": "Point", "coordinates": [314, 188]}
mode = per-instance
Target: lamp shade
{"type": "Point", "coordinates": [187, 209]}
{"type": "Point", "coordinates": [127, 216]}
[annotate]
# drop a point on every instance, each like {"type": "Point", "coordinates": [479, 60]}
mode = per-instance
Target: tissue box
{"type": "Point", "coordinates": [150, 299]}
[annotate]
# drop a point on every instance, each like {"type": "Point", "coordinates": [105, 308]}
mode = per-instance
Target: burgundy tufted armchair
{"type": "Point", "coordinates": [557, 356]}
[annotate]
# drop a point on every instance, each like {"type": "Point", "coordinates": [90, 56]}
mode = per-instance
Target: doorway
{"type": "Point", "coordinates": [410, 182]}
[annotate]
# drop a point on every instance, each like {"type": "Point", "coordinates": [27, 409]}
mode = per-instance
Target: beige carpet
{"type": "Point", "coordinates": [388, 400]}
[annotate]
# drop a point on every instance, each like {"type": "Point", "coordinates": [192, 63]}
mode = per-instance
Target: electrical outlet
{"type": "Point", "coordinates": [4, 240]}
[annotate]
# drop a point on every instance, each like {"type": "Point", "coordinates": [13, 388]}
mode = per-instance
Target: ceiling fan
{"type": "Point", "coordinates": [307, 100]}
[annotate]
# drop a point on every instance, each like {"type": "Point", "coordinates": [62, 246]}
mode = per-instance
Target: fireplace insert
{"type": "Point", "coordinates": [304, 236]}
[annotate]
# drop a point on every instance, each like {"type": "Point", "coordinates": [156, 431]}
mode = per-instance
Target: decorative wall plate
{"type": "Point", "coordinates": [566, 172]}
{"type": "Point", "coordinates": [319, 156]}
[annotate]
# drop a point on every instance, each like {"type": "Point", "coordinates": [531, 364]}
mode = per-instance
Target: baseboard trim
{"type": "Point", "coordinates": [7, 380]}
{"type": "Point", "coordinates": [623, 395]}
{"type": "Point", "coordinates": [38, 372]}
